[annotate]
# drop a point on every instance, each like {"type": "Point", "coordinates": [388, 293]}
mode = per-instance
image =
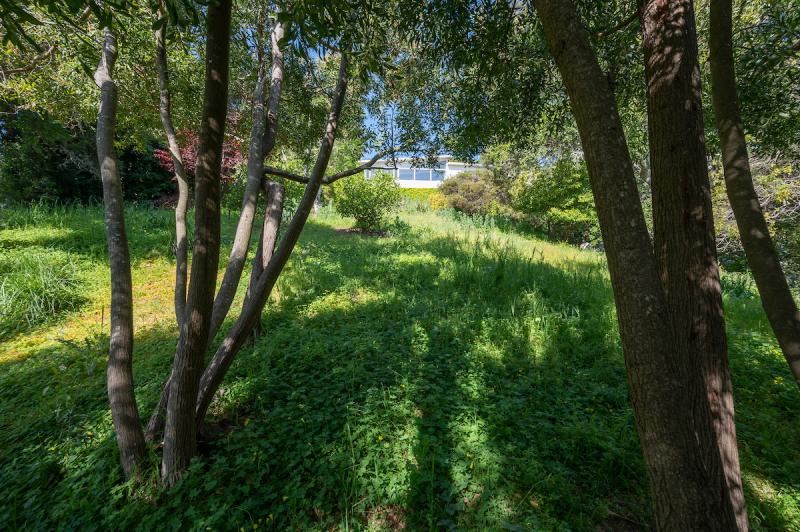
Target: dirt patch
{"type": "Point", "coordinates": [391, 517]}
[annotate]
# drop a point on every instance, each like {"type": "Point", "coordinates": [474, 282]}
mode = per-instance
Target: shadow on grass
{"type": "Point", "coordinates": [430, 383]}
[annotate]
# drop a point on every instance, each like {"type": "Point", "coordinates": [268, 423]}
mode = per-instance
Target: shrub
{"type": "Point", "coordinates": [438, 201]}
{"type": "Point", "coordinates": [476, 193]}
{"type": "Point", "coordinates": [367, 200]}
{"type": "Point", "coordinates": [558, 199]}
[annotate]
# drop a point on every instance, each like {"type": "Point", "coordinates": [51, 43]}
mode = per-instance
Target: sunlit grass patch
{"type": "Point", "coordinates": [37, 285]}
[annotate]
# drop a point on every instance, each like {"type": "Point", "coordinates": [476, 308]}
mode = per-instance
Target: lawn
{"type": "Point", "coordinates": [446, 376]}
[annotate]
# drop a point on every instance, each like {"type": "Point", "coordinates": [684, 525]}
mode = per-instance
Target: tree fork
{"type": "Point", "coordinates": [216, 369]}
{"type": "Point", "coordinates": [180, 443]}
{"type": "Point", "coordinates": [667, 420]}
{"type": "Point", "coordinates": [262, 140]}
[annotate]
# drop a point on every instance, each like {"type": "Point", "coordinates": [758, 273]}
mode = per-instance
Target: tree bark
{"type": "Point", "coordinates": [776, 298]}
{"type": "Point", "coordinates": [262, 140]}
{"type": "Point", "coordinates": [683, 225]}
{"type": "Point", "coordinates": [179, 434]}
{"type": "Point", "coordinates": [121, 396]}
{"type": "Point", "coordinates": [687, 495]}
{"type": "Point", "coordinates": [156, 423]}
{"type": "Point", "coordinates": [216, 369]}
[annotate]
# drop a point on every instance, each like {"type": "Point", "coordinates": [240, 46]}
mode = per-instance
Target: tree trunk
{"type": "Point", "coordinates": [121, 396]}
{"type": "Point", "coordinates": [266, 244]}
{"type": "Point", "coordinates": [671, 426]}
{"type": "Point", "coordinates": [165, 104]}
{"type": "Point", "coordinates": [683, 225]}
{"type": "Point", "coordinates": [179, 434]}
{"type": "Point", "coordinates": [265, 129]}
{"type": "Point", "coordinates": [156, 423]}
{"type": "Point", "coordinates": [776, 297]}
{"type": "Point", "coordinates": [214, 373]}
{"type": "Point", "coordinates": [262, 140]}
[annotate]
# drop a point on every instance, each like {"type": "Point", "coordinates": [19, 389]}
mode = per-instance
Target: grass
{"type": "Point", "coordinates": [448, 376]}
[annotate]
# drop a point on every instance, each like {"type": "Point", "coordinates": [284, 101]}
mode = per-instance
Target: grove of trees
{"type": "Point", "coordinates": [600, 121]}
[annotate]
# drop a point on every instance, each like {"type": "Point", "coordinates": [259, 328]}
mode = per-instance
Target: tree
{"type": "Point", "coordinates": [684, 239]}
{"type": "Point", "coordinates": [180, 442]}
{"type": "Point", "coordinates": [187, 395]}
{"type": "Point", "coordinates": [122, 399]}
{"type": "Point", "coordinates": [779, 305]}
{"type": "Point", "coordinates": [668, 418]}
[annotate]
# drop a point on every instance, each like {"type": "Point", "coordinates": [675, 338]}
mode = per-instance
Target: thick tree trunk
{"type": "Point", "coordinates": [262, 140]}
{"type": "Point", "coordinates": [121, 396]}
{"type": "Point", "coordinates": [179, 434]}
{"type": "Point", "coordinates": [687, 495]}
{"type": "Point", "coordinates": [683, 225]}
{"type": "Point", "coordinates": [776, 297]}
{"type": "Point", "coordinates": [214, 373]}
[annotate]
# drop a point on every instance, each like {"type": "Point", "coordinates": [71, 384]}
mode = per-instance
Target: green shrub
{"type": "Point", "coordinates": [476, 193]}
{"type": "Point", "coordinates": [368, 200]}
{"type": "Point", "coordinates": [557, 198]}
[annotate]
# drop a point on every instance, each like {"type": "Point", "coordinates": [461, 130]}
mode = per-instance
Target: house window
{"type": "Point", "coordinates": [422, 174]}
{"type": "Point", "coordinates": [405, 174]}
{"type": "Point", "coordinates": [437, 175]}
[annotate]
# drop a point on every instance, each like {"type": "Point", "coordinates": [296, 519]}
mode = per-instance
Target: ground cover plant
{"type": "Point", "coordinates": [448, 376]}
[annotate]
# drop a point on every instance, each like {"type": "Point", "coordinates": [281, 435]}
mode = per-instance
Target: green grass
{"type": "Point", "coordinates": [446, 376]}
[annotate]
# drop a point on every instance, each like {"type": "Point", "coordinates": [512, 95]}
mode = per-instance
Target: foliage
{"type": "Point", "coordinates": [558, 198]}
{"type": "Point", "coordinates": [42, 160]}
{"type": "Point", "coordinates": [777, 184]}
{"type": "Point", "coordinates": [476, 193]}
{"type": "Point", "coordinates": [447, 377]}
{"type": "Point", "coordinates": [232, 155]}
{"type": "Point", "coordinates": [367, 200]}
{"type": "Point", "coordinates": [550, 193]}
{"type": "Point", "coordinates": [65, 166]}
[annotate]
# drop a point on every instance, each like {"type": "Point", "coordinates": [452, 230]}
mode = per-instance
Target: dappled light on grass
{"type": "Point", "coordinates": [444, 376]}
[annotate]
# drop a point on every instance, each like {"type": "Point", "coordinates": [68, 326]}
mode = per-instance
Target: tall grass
{"type": "Point", "coordinates": [36, 286]}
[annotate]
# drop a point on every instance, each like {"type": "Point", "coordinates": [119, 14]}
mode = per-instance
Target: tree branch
{"type": "Point", "coordinates": [627, 21]}
{"type": "Point", "coordinates": [269, 170]}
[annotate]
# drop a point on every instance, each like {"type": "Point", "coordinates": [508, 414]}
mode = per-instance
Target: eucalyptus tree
{"type": "Point", "coordinates": [776, 297]}
{"type": "Point", "coordinates": [683, 226]}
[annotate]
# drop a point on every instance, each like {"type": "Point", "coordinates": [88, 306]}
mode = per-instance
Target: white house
{"type": "Point", "coordinates": [407, 176]}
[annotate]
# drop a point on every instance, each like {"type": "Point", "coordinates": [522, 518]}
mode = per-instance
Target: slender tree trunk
{"type": "Point", "coordinates": [179, 434]}
{"type": "Point", "coordinates": [262, 140]}
{"type": "Point", "coordinates": [121, 396]}
{"type": "Point", "coordinates": [156, 423]}
{"type": "Point", "coordinates": [266, 244]}
{"type": "Point", "coordinates": [672, 429]}
{"type": "Point", "coordinates": [165, 105]}
{"type": "Point", "coordinates": [776, 297]}
{"type": "Point", "coordinates": [216, 369]}
{"type": "Point", "coordinates": [683, 225]}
